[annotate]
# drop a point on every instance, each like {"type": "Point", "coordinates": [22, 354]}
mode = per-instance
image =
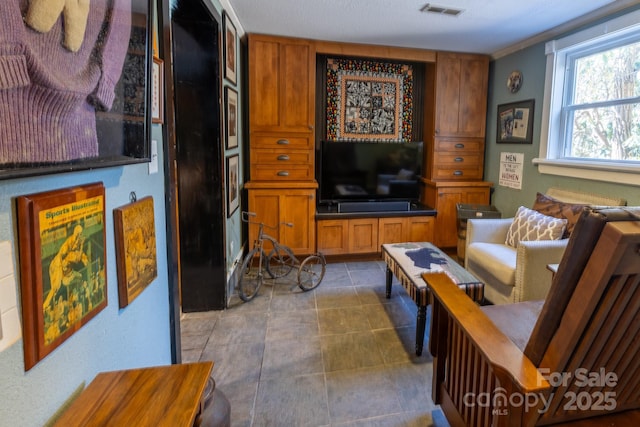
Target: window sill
{"type": "Point", "coordinates": [617, 174]}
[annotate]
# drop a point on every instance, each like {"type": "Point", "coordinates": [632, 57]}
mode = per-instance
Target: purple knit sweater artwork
{"type": "Point", "coordinates": [49, 93]}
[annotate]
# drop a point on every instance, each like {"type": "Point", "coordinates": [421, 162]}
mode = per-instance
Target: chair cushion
{"type": "Point", "coordinates": [497, 259]}
{"type": "Point", "coordinates": [530, 225]}
{"type": "Point", "coordinates": [558, 209]}
{"type": "Point", "coordinates": [515, 320]}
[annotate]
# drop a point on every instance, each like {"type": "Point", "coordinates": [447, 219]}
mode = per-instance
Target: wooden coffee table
{"type": "Point", "coordinates": [408, 261]}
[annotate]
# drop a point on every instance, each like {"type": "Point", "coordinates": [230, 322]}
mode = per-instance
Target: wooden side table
{"type": "Point", "coordinates": [158, 396]}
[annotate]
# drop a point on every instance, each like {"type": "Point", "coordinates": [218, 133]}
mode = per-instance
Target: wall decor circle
{"type": "Point", "coordinates": [514, 82]}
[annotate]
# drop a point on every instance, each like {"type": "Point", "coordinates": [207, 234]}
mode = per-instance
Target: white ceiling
{"type": "Point", "coordinates": [488, 26]}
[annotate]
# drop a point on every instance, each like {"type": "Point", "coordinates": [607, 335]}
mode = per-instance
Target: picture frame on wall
{"type": "Point", "coordinates": [231, 118]}
{"type": "Point", "coordinates": [157, 91]}
{"type": "Point", "coordinates": [230, 60]}
{"type": "Point", "coordinates": [233, 184]}
{"type": "Point", "coordinates": [63, 284]}
{"type": "Point", "coordinates": [515, 122]}
{"type": "Point", "coordinates": [103, 117]}
{"type": "Point", "coordinates": [135, 239]}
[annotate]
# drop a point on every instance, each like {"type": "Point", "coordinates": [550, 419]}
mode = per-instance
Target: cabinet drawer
{"type": "Point", "coordinates": [285, 172]}
{"type": "Point", "coordinates": [461, 172]}
{"type": "Point", "coordinates": [455, 160]}
{"type": "Point", "coordinates": [459, 145]}
{"type": "Point", "coordinates": [282, 157]}
{"type": "Point", "coordinates": [283, 141]}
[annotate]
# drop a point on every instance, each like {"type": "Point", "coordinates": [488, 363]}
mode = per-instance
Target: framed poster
{"type": "Point", "coordinates": [230, 63]}
{"type": "Point", "coordinates": [233, 184]}
{"type": "Point", "coordinates": [231, 118]}
{"type": "Point", "coordinates": [515, 122]}
{"type": "Point", "coordinates": [157, 91]}
{"type": "Point", "coordinates": [95, 110]}
{"type": "Point", "coordinates": [135, 235]}
{"type": "Point", "coordinates": [61, 236]}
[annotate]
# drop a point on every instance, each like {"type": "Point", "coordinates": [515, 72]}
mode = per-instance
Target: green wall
{"type": "Point", "coordinates": [532, 63]}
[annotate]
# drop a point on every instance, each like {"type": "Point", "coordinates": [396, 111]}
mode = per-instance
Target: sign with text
{"type": "Point", "coordinates": [511, 170]}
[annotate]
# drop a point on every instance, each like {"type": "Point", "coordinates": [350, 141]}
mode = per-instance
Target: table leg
{"type": "Point", "coordinates": [389, 280]}
{"type": "Point", "coordinates": [420, 327]}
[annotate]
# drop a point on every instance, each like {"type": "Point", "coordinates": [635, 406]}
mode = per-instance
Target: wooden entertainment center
{"type": "Point", "coordinates": [283, 134]}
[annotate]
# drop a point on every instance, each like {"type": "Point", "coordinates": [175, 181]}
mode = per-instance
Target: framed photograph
{"type": "Point", "coordinates": [230, 63]}
{"type": "Point", "coordinates": [63, 285]}
{"type": "Point", "coordinates": [135, 235]}
{"type": "Point", "coordinates": [233, 184]}
{"type": "Point", "coordinates": [97, 112]}
{"type": "Point", "coordinates": [231, 118]}
{"type": "Point", "coordinates": [157, 91]}
{"type": "Point", "coordinates": [515, 122]}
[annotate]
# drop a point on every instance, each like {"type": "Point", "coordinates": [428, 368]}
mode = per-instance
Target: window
{"type": "Point", "coordinates": [591, 116]}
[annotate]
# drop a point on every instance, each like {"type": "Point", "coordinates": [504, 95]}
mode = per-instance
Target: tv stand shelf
{"type": "Point", "coordinates": [348, 233]}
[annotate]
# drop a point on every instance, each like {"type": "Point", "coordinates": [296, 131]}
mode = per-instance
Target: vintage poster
{"type": "Point", "coordinates": [62, 262]}
{"type": "Point", "coordinates": [511, 165]}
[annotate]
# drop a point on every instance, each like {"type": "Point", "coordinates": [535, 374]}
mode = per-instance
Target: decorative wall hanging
{"type": "Point", "coordinates": [369, 100]}
{"type": "Point", "coordinates": [233, 184]}
{"type": "Point", "coordinates": [515, 122]}
{"type": "Point", "coordinates": [514, 82]}
{"type": "Point", "coordinates": [85, 102]}
{"type": "Point", "coordinates": [230, 63]}
{"type": "Point", "coordinates": [157, 91]}
{"type": "Point", "coordinates": [63, 283]}
{"type": "Point", "coordinates": [231, 116]}
{"type": "Point", "coordinates": [135, 235]}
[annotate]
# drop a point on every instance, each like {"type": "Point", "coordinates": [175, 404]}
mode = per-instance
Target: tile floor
{"type": "Point", "coordinates": [341, 355]}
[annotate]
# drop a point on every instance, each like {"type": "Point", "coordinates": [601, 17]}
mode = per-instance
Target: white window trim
{"type": "Point", "coordinates": [548, 161]}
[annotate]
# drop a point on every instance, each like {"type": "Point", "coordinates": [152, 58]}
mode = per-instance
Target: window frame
{"type": "Point", "coordinates": [552, 144]}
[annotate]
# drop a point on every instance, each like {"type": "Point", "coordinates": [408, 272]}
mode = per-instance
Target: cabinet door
{"type": "Point", "coordinates": [281, 85]}
{"type": "Point", "coordinates": [461, 95]}
{"type": "Point", "coordinates": [447, 198]}
{"type": "Point", "coordinates": [363, 236]}
{"type": "Point", "coordinates": [333, 236]}
{"type": "Point", "coordinates": [420, 229]}
{"type": "Point", "coordinates": [392, 230]}
{"type": "Point", "coordinates": [274, 206]}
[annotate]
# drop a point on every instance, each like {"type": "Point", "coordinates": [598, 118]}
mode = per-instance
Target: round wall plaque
{"type": "Point", "coordinates": [514, 81]}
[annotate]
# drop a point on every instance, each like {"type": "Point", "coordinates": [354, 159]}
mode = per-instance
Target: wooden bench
{"type": "Point", "coordinates": [407, 261]}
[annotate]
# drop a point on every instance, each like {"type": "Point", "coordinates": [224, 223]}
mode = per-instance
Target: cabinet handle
{"type": "Point", "coordinates": [283, 173]}
{"type": "Point", "coordinates": [459, 145]}
{"type": "Point", "coordinates": [283, 142]}
{"type": "Point", "coordinates": [459, 159]}
{"type": "Point", "coordinates": [458, 173]}
{"type": "Point", "coordinates": [283, 157]}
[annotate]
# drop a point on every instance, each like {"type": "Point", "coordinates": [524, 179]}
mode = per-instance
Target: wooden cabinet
{"type": "Point", "coordinates": [278, 203]}
{"type": "Point", "coordinates": [365, 235]}
{"type": "Point", "coordinates": [282, 185]}
{"type": "Point", "coordinates": [443, 197]}
{"type": "Point", "coordinates": [461, 95]}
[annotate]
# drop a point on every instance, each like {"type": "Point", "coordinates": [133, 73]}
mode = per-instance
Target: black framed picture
{"type": "Point", "coordinates": [230, 63]}
{"type": "Point", "coordinates": [90, 106]}
{"type": "Point", "coordinates": [231, 118]}
{"type": "Point", "coordinates": [233, 184]}
{"type": "Point", "coordinates": [515, 122]}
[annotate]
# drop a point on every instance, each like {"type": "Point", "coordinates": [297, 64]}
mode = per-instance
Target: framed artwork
{"type": "Point", "coordinates": [98, 114]}
{"type": "Point", "coordinates": [157, 91]}
{"type": "Point", "coordinates": [135, 235]}
{"type": "Point", "coordinates": [233, 184]}
{"type": "Point", "coordinates": [231, 116]}
{"type": "Point", "coordinates": [61, 236]}
{"type": "Point", "coordinates": [230, 63]}
{"type": "Point", "coordinates": [515, 122]}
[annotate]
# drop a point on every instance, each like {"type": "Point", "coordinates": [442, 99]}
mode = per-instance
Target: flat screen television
{"type": "Point", "coordinates": [370, 171]}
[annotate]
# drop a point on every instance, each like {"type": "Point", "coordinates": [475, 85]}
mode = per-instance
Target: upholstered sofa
{"type": "Point", "coordinates": [520, 272]}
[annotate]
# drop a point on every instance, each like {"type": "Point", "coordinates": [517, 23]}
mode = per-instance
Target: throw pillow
{"type": "Point", "coordinates": [532, 225]}
{"type": "Point", "coordinates": [553, 207]}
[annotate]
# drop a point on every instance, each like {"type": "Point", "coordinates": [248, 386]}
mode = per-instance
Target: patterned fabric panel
{"type": "Point", "coordinates": [530, 225]}
{"type": "Point", "coordinates": [408, 261]}
{"type": "Point", "coordinates": [549, 206]}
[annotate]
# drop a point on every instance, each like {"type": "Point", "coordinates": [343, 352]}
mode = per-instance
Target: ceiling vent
{"type": "Point", "coordinates": [441, 10]}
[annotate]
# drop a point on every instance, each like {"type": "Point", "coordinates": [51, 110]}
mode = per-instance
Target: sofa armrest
{"type": "Point", "coordinates": [488, 230]}
{"type": "Point", "coordinates": [533, 279]}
